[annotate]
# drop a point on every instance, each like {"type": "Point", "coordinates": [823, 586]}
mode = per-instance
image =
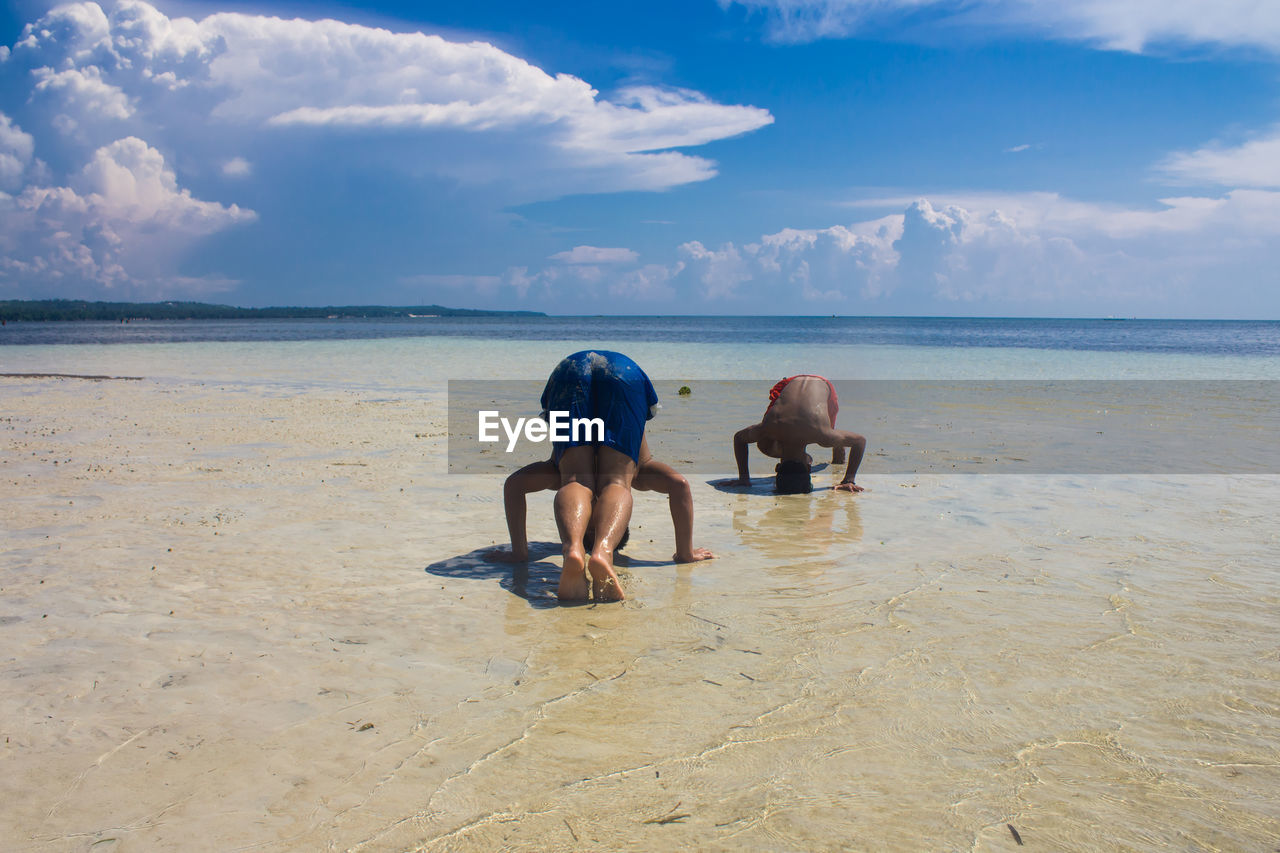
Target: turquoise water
{"type": "Point", "coordinates": [404, 357]}
{"type": "Point", "coordinates": [1195, 337]}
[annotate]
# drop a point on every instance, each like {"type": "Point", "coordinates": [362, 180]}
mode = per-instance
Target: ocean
{"type": "Point", "coordinates": [1192, 337]}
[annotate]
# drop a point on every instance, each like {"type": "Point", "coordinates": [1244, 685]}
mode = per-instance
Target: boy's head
{"type": "Point", "coordinates": [792, 478]}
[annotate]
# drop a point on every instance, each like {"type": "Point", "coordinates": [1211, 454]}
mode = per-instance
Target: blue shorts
{"type": "Point", "coordinates": [605, 385]}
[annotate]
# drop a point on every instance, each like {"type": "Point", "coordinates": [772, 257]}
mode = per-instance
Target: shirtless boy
{"type": "Point", "coordinates": [596, 476]}
{"type": "Point", "coordinates": [802, 411]}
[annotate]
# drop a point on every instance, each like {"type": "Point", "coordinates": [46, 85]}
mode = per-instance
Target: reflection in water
{"type": "Point", "coordinates": [787, 528]}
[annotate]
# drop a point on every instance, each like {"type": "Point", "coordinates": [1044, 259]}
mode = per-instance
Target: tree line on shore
{"type": "Point", "coordinates": [74, 309]}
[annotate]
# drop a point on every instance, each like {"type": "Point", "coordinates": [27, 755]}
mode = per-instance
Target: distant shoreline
{"type": "Point", "coordinates": [42, 310]}
{"type": "Point", "coordinates": [74, 309]}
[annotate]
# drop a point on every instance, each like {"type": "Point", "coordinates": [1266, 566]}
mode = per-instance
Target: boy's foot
{"type": "Point", "coordinates": [605, 585]}
{"type": "Point", "coordinates": [573, 577]}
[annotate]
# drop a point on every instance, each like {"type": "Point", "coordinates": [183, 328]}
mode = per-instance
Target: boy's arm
{"type": "Point", "coordinates": [742, 441]}
{"type": "Point", "coordinates": [534, 477]}
{"type": "Point", "coordinates": [654, 476]}
{"type": "Point", "coordinates": [857, 445]}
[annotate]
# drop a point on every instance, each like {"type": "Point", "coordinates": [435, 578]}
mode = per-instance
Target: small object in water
{"type": "Point", "coordinates": [675, 818]}
{"type": "Point", "coordinates": [670, 817]}
{"type": "Point", "coordinates": [368, 726]}
{"type": "Point", "coordinates": [1014, 833]}
{"type": "Point", "coordinates": [685, 391]}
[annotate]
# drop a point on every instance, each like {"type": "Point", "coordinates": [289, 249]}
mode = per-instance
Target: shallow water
{"type": "Point", "coordinates": [241, 560]}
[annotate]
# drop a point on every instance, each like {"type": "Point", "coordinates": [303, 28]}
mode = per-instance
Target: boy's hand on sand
{"type": "Point", "coordinates": [849, 487]}
{"type": "Point", "coordinates": [698, 555]}
{"type": "Point", "coordinates": [502, 555]}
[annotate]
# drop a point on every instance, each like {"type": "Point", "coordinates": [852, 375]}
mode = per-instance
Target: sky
{"type": "Point", "coordinates": [814, 157]}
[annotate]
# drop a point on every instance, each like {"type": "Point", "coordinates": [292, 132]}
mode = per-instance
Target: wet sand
{"type": "Point", "coordinates": [258, 619]}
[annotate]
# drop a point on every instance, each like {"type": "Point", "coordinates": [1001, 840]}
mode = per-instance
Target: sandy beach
{"type": "Point", "coordinates": [254, 617]}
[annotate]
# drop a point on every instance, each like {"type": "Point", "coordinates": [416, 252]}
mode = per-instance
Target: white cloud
{"type": "Point", "coordinates": [84, 92]}
{"type": "Point", "coordinates": [129, 181]}
{"type": "Point", "coordinates": [1032, 253]}
{"type": "Point", "coordinates": [645, 118]}
{"type": "Point", "coordinates": [1255, 163]}
{"type": "Point", "coordinates": [720, 272]}
{"type": "Point", "coordinates": [1130, 25]}
{"type": "Point", "coordinates": [1178, 218]}
{"type": "Point", "coordinates": [651, 284]}
{"type": "Point", "coordinates": [341, 75]}
{"type": "Point", "coordinates": [16, 149]}
{"type": "Point", "coordinates": [120, 227]}
{"type": "Point", "coordinates": [1039, 250]}
{"type": "Point", "coordinates": [244, 74]}
{"type": "Point", "coordinates": [1134, 25]}
{"type": "Point", "coordinates": [595, 255]}
{"type": "Point", "coordinates": [583, 288]}
{"type": "Point", "coordinates": [955, 254]}
{"type": "Point", "coordinates": [237, 167]}
{"type": "Point", "coordinates": [839, 263]}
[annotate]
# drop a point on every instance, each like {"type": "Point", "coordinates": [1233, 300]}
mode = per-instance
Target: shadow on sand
{"type": "Point", "coordinates": [759, 485]}
{"type": "Point", "coordinates": [534, 581]}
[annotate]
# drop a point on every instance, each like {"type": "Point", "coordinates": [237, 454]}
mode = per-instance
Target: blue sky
{"type": "Point", "coordinates": [928, 157]}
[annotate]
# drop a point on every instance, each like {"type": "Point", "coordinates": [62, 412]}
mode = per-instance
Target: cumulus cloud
{"type": "Point", "coordinates": [119, 227]}
{"type": "Point", "coordinates": [83, 92]}
{"type": "Point", "coordinates": [615, 287]}
{"type": "Point", "coordinates": [249, 73]}
{"type": "Point", "coordinates": [840, 264]}
{"type": "Point", "coordinates": [1130, 25]}
{"type": "Point", "coordinates": [959, 255]}
{"type": "Point", "coordinates": [128, 181]}
{"type": "Point", "coordinates": [595, 255]}
{"type": "Point", "coordinates": [962, 254]}
{"type": "Point", "coordinates": [650, 284]}
{"type": "Point", "coordinates": [16, 149]}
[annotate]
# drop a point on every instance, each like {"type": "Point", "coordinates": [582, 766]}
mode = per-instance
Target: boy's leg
{"type": "Point", "coordinates": [614, 473]}
{"type": "Point", "coordinates": [573, 512]}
